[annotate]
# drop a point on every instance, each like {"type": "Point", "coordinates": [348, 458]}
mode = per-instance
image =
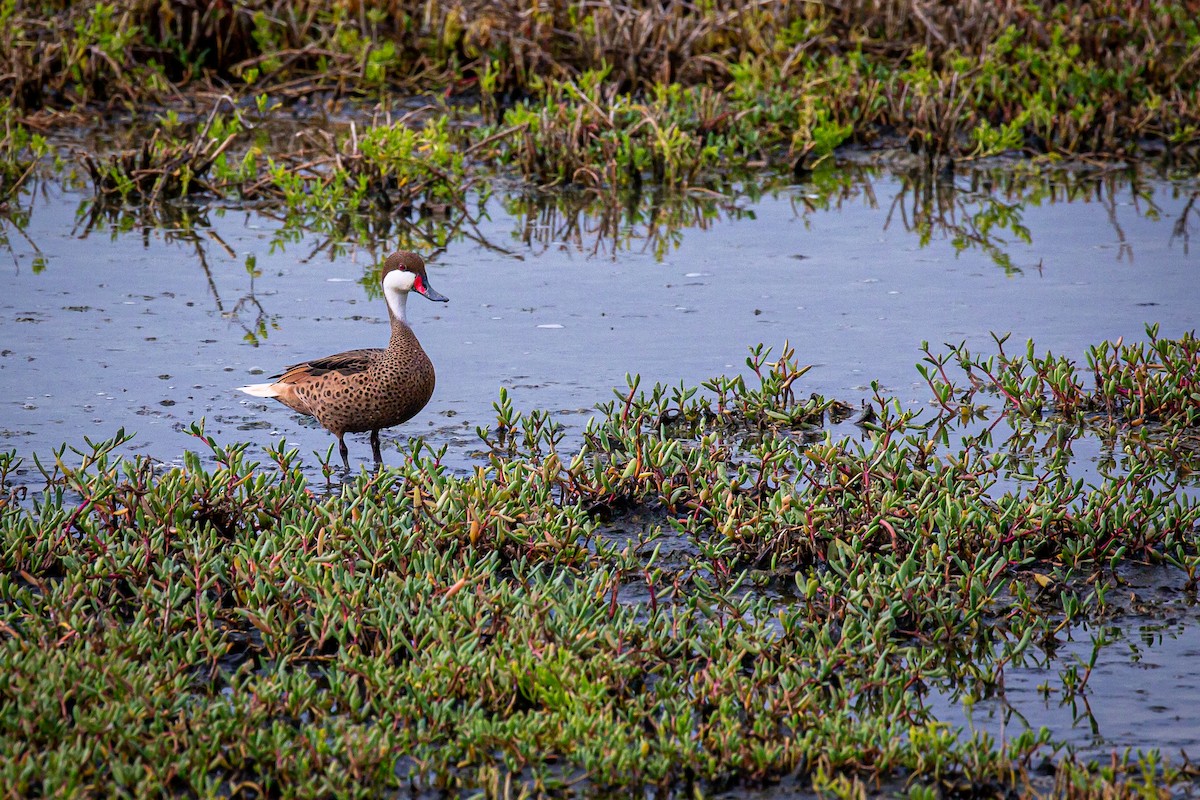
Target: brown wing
{"type": "Point", "coordinates": [347, 363]}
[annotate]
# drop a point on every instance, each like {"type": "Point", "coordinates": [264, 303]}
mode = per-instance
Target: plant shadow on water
{"type": "Point", "coordinates": [556, 297]}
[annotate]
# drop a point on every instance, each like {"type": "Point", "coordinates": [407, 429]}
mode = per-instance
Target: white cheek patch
{"type": "Point", "coordinates": [399, 280]}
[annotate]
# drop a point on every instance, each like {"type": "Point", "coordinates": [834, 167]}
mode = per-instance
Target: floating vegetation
{"type": "Point", "coordinates": [519, 628]}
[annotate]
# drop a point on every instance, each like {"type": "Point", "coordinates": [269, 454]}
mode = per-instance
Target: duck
{"type": "Point", "coordinates": [372, 388]}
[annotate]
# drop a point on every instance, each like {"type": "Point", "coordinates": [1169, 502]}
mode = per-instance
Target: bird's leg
{"type": "Point", "coordinates": [375, 448]}
{"type": "Point", "coordinates": [345, 451]}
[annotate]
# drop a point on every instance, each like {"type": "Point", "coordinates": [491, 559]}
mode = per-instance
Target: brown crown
{"type": "Point", "coordinates": [405, 260]}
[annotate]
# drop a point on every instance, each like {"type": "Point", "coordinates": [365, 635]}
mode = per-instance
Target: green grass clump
{"type": "Point", "coordinates": [385, 166]}
{"type": "Point", "coordinates": [176, 161]}
{"type": "Point", "coordinates": [587, 134]}
{"type": "Point", "coordinates": [711, 592]}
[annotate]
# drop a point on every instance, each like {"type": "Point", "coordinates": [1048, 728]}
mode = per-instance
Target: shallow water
{"type": "Point", "coordinates": [151, 329]}
{"type": "Point", "coordinates": [1143, 691]}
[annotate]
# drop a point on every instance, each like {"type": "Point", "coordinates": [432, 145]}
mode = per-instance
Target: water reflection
{"type": "Point", "coordinates": [14, 221]}
{"type": "Point", "coordinates": [984, 208]}
{"type": "Point", "coordinates": [426, 230]}
{"type": "Point", "coordinates": [605, 224]}
{"type": "Point", "coordinates": [1182, 228]}
{"type": "Point", "coordinates": [971, 215]}
{"type": "Point", "coordinates": [187, 225]}
{"type": "Point", "coordinates": [976, 207]}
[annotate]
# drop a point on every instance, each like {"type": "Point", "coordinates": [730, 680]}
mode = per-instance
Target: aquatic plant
{"type": "Point", "coordinates": [1154, 381]}
{"type": "Point", "coordinates": [616, 99]}
{"type": "Point", "coordinates": [588, 134]}
{"type": "Point", "coordinates": [715, 590]}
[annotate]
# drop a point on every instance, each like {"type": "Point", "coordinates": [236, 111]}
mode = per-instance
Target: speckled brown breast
{"type": "Point", "coordinates": [363, 390]}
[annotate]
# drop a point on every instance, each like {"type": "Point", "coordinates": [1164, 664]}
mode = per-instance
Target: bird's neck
{"type": "Point", "coordinates": [402, 337]}
{"type": "Point", "coordinates": [397, 306]}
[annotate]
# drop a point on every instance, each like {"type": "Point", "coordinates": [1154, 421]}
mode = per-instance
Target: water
{"type": "Point", "coordinates": [151, 329]}
{"type": "Point", "coordinates": [1142, 691]}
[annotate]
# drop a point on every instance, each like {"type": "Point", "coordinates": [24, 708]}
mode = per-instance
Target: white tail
{"type": "Point", "coordinates": [260, 390]}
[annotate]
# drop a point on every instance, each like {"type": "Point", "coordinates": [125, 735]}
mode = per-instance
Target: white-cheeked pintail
{"type": "Point", "coordinates": [370, 389]}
